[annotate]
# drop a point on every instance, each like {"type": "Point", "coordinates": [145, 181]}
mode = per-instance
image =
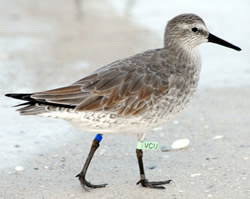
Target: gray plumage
{"type": "Point", "coordinates": [132, 94]}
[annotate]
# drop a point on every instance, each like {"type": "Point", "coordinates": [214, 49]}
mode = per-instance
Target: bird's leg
{"type": "Point", "coordinates": [82, 175]}
{"type": "Point", "coordinates": [143, 181]}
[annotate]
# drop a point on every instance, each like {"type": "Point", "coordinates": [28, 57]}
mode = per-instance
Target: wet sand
{"type": "Point", "coordinates": [44, 46]}
{"type": "Point", "coordinates": [208, 168]}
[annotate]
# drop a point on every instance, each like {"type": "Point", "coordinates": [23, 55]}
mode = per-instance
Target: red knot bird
{"type": "Point", "coordinates": [131, 95]}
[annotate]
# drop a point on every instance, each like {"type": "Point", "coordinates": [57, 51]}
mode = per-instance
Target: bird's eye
{"type": "Point", "coordinates": [195, 29]}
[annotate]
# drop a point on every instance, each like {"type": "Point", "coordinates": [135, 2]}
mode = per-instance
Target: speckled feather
{"type": "Point", "coordinates": [142, 91]}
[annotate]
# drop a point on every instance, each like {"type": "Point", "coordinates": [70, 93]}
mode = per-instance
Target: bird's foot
{"type": "Point", "coordinates": [154, 185]}
{"type": "Point", "coordinates": [85, 183]}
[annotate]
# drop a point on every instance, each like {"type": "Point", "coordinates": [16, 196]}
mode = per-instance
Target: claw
{"type": "Point", "coordinates": [85, 183]}
{"type": "Point", "coordinates": [154, 185]}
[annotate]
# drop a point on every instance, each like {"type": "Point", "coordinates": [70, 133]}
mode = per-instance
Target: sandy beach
{"type": "Point", "coordinates": [48, 44]}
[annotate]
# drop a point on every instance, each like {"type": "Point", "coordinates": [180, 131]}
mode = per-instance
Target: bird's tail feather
{"type": "Point", "coordinates": [33, 109]}
{"type": "Point", "coordinates": [33, 106]}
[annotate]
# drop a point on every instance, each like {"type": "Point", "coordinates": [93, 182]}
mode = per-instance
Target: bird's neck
{"type": "Point", "coordinates": [184, 52]}
{"type": "Point", "coordinates": [189, 56]}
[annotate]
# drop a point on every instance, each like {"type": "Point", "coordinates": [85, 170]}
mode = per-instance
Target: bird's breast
{"type": "Point", "coordinates": [181, 90]}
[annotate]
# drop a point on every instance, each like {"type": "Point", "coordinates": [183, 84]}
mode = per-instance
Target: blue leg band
{"type": "Point", "coordinates": [98, 137]}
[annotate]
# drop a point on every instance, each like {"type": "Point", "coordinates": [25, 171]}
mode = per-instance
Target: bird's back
{"type": "Point", "coordinates": [144, 89]}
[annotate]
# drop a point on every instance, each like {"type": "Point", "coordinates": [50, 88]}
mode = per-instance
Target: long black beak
{"type": "Point", "coordinates": [212, 38]}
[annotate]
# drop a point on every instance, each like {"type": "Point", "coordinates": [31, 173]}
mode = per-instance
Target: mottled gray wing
{"type": "Point", "coordinates": [125, 87]}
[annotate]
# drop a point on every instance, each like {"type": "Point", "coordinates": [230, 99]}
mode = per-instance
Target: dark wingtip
{"type": "Point", "coordinates": [13, 95]}
{"type": "Point", "coordinates": [21, 96]}
{"type": "Point", "coordinates": [8, 95]}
